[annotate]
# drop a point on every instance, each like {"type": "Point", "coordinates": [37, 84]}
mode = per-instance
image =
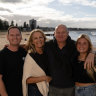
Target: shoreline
{"type": "Point", "coordinates": [25, 36]}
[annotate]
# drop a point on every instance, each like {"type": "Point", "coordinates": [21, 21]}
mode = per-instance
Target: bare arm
{"type": "Point", "coordinates": [38, 79]}
{"type": "Point", "coordinates": [89, 62]}
{"type": "Point", "coordinates": [2, 88]}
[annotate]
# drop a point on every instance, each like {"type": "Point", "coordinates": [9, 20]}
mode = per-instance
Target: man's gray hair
{"type": "Point", "coordinates": [62, 26]}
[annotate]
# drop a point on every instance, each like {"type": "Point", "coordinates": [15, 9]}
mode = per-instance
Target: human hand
{"type": "Point", "coordinates": [89, 62]}
{"type": "Point", "coordinates": [48, 78]}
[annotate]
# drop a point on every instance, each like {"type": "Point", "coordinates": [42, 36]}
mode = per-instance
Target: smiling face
{"type": "Point", "coordinates": [61, 34]}
{"type": "Point", "coordinates": [38, 40]}
{"type": "Point", "coordinates": [82, 45]}
{"type": "Point", "coordinates": [14, 37]}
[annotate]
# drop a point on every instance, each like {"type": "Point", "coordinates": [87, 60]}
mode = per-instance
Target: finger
{"type": "Point", "coordinates": [93, 63]}
{"type": "Point", "coordinates": [85, 65]}
{"type": "Point", "coordinates": [89, 65]}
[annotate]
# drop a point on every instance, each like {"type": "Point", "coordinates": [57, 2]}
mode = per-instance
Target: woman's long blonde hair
{"type": "Point", "coordinates": [29, 45]}
{"type": "Point", "coordinates": [91, 71]}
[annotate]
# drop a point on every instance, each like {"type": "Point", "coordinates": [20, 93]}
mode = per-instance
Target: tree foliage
{"type": "Point", "coordinates": [4, 25]}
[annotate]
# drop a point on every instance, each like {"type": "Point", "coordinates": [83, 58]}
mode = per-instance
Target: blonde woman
{"type": "Point", "coordinates": [84, 78]}
{"type": "Point", "coordinates": [35, 79]}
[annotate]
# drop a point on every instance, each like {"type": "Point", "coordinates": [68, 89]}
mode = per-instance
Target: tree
{"type": "Point", "coordinates": [6, 25]}
{"type": "Point", "coordinates": [12, 23]}
{"type": "Point", "coordinates": [1, 24]}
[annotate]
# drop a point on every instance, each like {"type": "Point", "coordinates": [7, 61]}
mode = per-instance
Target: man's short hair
{"type": "Point", "coordinates": [12, 27]}
{"type": "Point", "coordinates": [62, 26]}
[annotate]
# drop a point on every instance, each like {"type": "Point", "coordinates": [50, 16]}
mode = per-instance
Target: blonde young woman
{"type": "Point", "coordinates": [84, 78]}
{"type": "Point", "coordinates": [35, 79]}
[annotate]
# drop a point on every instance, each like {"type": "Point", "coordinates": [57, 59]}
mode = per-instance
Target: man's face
{"type": "Point", "coordinates": [14, 37]}
{"type": "Point", "coordinates": [61, 34]}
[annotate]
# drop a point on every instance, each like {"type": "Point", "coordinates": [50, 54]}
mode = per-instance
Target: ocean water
{"type": "Point", "coordinates": [75, 34]}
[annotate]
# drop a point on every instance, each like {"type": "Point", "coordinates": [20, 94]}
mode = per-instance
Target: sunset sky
{"type": "Point", "coordinates": [73, 13]}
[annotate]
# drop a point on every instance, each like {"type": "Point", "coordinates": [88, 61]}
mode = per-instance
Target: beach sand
{"type": "Point", "coordinates": [25, 36]}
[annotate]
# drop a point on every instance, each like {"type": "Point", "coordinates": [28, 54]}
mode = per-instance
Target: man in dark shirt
{"type": "Point", "coordinates": [11, 64]}
{"type": "Point", "coordinates": [60, 52]}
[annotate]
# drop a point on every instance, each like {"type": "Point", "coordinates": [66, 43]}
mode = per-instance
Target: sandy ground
{"type": "Point", "coordinates": [3, 40]}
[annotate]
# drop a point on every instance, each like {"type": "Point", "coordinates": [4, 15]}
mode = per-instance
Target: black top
{"type": "Point", "coordinates": [80, 74]}
{"type": "Point", "coordinates": [41, 60]}
{"type": "Point", "coordinates": [11, 67]}
{"type": "Point", "coordinates": [60, 63]}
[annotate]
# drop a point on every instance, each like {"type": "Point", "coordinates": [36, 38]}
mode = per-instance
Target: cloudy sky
{"type": "Point", "coordinates": [73, 13]}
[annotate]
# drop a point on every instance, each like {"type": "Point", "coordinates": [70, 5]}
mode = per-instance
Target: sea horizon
{"type": "Point", "coordinates": [75, 34]}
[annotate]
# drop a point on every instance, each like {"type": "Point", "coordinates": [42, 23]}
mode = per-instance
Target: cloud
{"type": "Point", "coordinates": [2, 18]}
{"type": "Point", "coordinates": [4, 9]}
{"type": "Point", "coordinates": [10, 1]}
{"type": "Point", "coordinates": [24, 10]}
{"type": "Point", "coordinates": [34, 9]}
{"type": "Point", "coordinates": [40, 2]}
{"type": "Point", "coordinates": [19, 19]}
{"type": "Point", "coordinates": [91, 3]}
{"type": "Point", "coordinates": [85, 22]}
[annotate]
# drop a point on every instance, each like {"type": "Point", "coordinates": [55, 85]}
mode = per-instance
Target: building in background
{"type": "Point", "coordinates": [32, 24]}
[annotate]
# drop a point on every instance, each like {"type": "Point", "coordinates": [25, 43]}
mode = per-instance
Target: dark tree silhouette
{"type": "Point", "coordinates": [12, 23]}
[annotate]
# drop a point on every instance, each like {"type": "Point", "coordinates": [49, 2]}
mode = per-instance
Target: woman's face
{"type": "Point", "coordinates": [82, 45]}
{"type": "Point", "coordinates": [38, 40]}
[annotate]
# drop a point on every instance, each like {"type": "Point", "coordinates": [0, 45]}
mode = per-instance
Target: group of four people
{"type": "Point", "coordinates": [50, 68]}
